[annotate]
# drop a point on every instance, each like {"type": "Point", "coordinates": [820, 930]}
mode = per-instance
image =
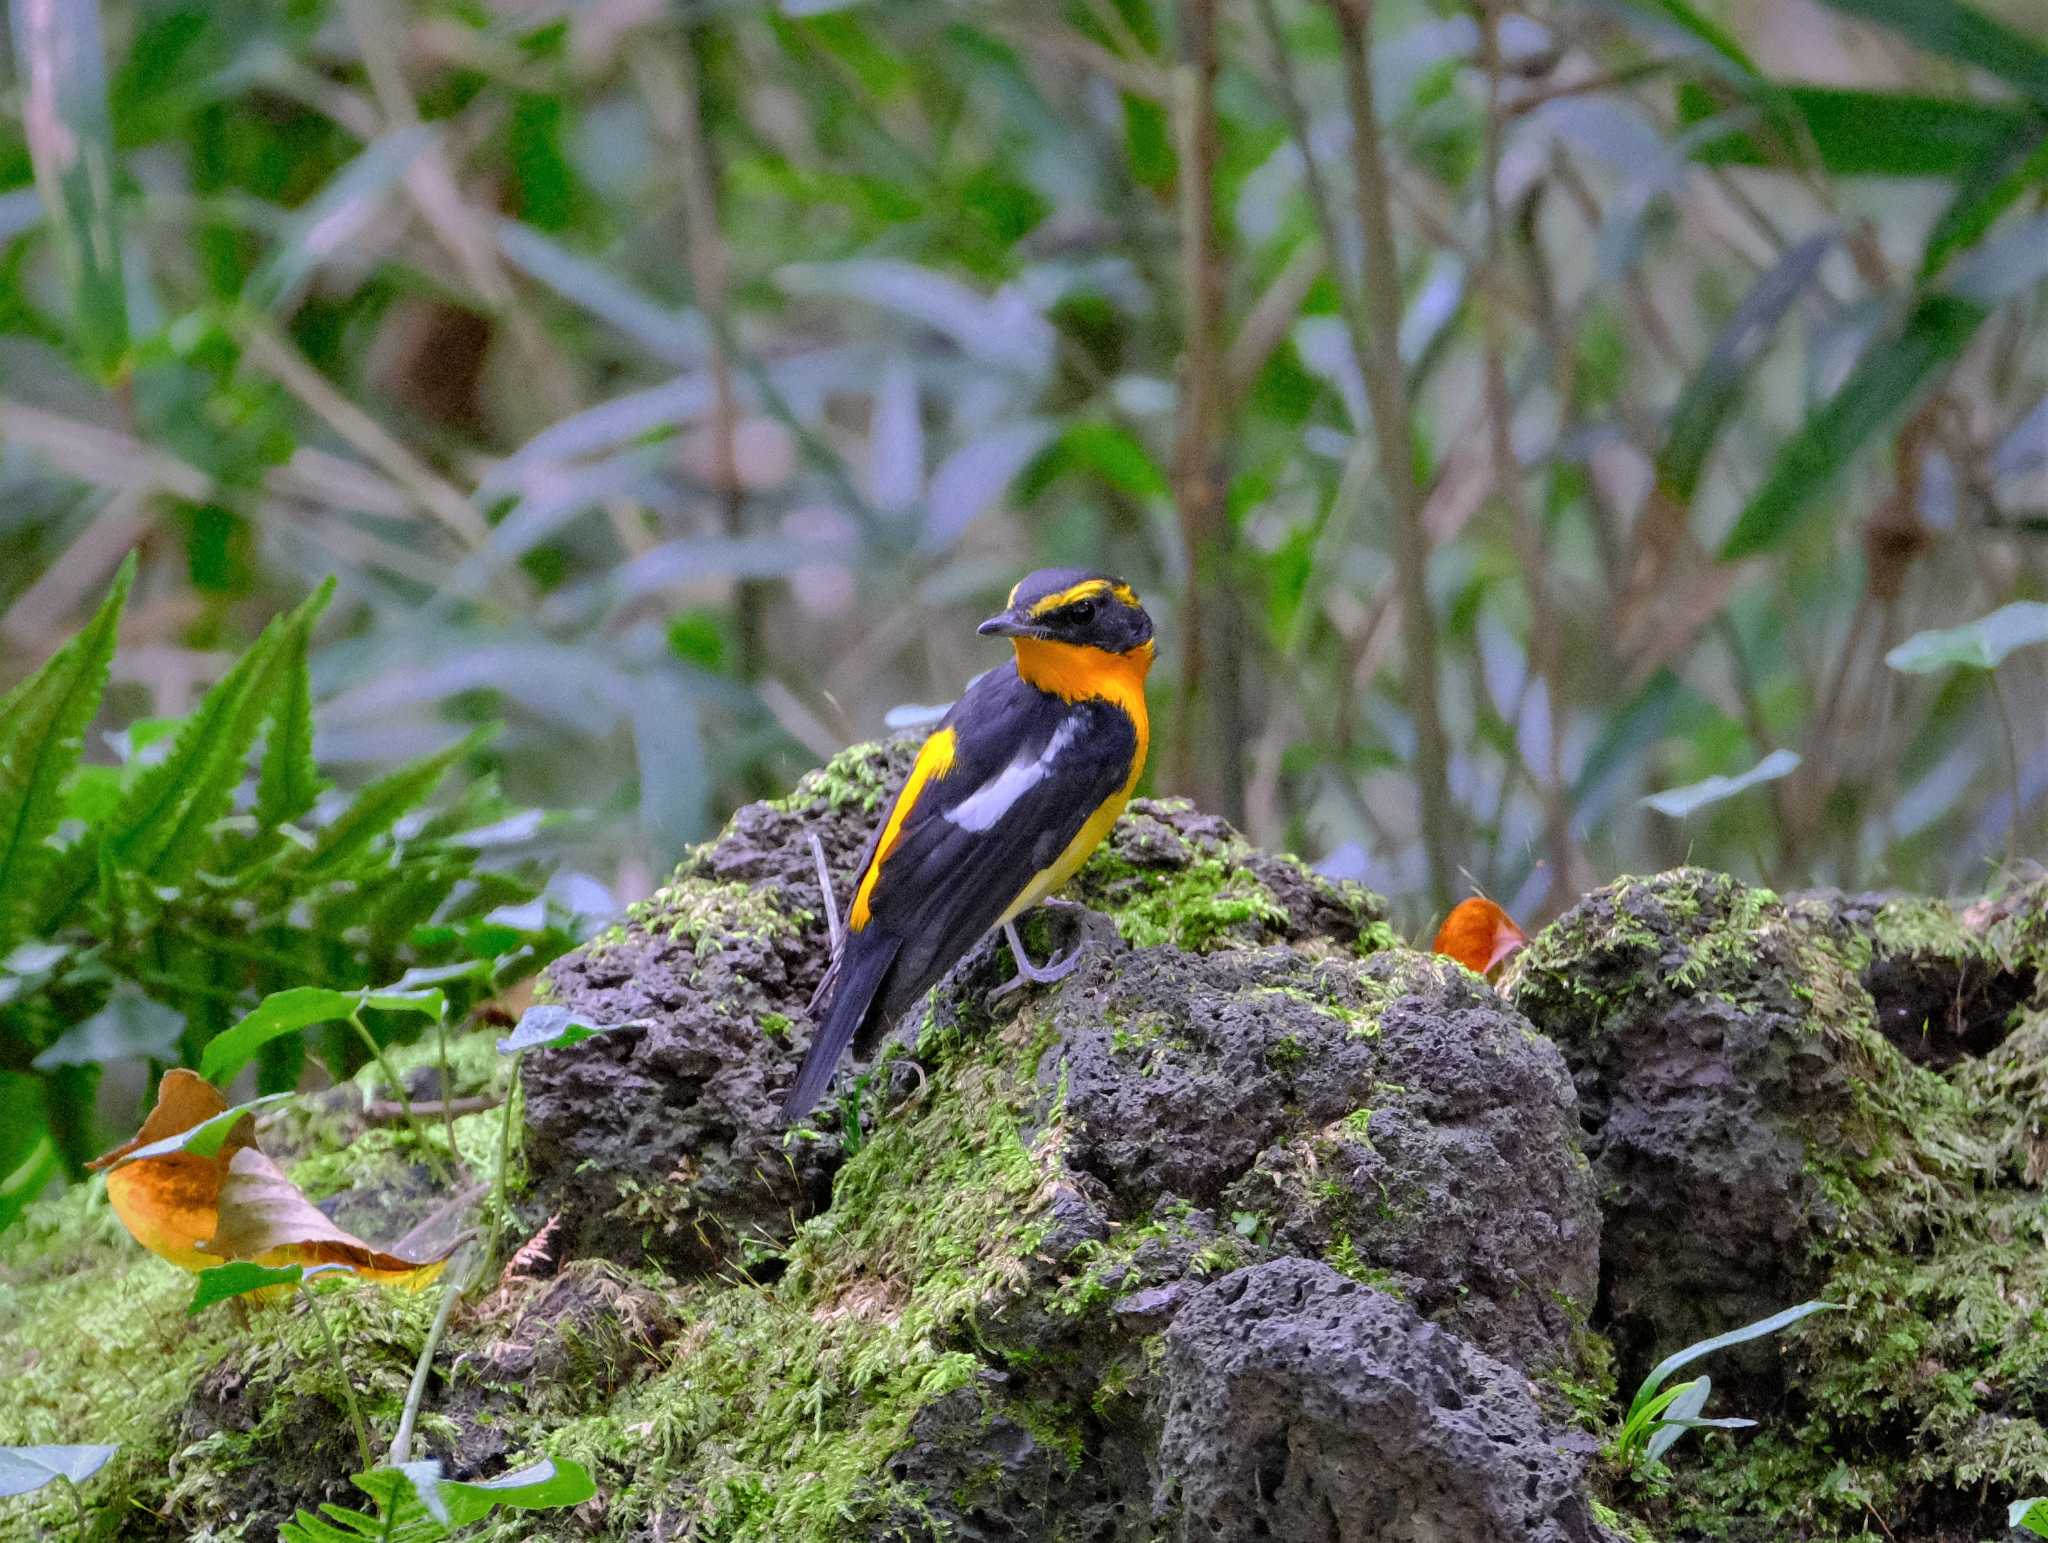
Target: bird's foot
{"type": "Point", "coordinates": [1029, 974]}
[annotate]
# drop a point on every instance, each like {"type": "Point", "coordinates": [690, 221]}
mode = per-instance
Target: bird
{"type": "Point", "coordinates": [1011, 792]}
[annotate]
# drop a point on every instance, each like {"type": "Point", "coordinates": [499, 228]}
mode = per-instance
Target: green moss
{"type": "Point", "coordinates": [94, 1347]}
{"type": "Point", "coordinates": [858, 776]}
{"type": "Point", "coordinates": [704, 912]}
{"type": "Point", "coordinates": [775, 1025]}
{"type": "Point", "coordinates": [788, 1397]}
{"type": "Point", "coordinates": [1196, 907]}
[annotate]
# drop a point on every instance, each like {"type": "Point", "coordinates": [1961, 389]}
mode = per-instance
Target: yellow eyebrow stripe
{"type": "Point", "coordinates": [1081, 591]}
{"type": "Point", "coordinates": [934, 760]}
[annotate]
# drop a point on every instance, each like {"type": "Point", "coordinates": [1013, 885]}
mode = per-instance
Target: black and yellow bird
{"type": "Point", "coordinates": [1018, 784]}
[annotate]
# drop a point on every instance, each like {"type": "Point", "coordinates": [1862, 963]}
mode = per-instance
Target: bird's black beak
{"type": "Point", "coordinates": [1011, 624]}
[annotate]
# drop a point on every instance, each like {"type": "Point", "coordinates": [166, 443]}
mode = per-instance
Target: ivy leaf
{"type": "Point", "coordinates": [23, 1469]}
{"type": "Point", "coordinates": [550, 1027]}
{"type": "Point", "coordinates": [131, 1026]}
{"type": "Point", "coordinates": [223, 1282]}
{"type": "Point", "coordinates": [287, 1012]}
{"type": "Point", "coordinates": [1978, 645]}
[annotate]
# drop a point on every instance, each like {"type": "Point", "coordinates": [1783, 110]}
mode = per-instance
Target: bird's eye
{"type": "Point", "coordinates": [1082, 610]}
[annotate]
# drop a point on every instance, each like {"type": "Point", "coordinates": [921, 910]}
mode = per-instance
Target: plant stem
{"type": "Point", "coordinates": [447, 1086]}
{"type": "Point", "coordinates": [2012, 766]}
{"type": "Point", "coordinates": [355, 1020]}
{"type": "Point", "coordinates": [401, 1444]}
{"type": "Point", "coordinates": [348, 1389]}
{"type": "Point", "coordinates": [1394, 428]}
{"type": "Point", "coordinates": [1211, 738]}
{"type": "Point", "coordinates": [77, 1501]}
{"type": "Point", "coordinates": [498, 1201]}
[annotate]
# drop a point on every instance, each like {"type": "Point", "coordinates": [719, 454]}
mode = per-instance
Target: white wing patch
{"type": "Point", "coordinates": [996, 797]}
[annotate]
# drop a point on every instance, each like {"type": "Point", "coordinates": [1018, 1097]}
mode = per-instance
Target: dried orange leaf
{"type": "Point", "coordinates": [170, 1200]}
{"type": "Point", "coordinates": [267, 1218]}
{"type": "Point", "coordinates": [1479, 935]}
{"type": "Point", "coordinates": [192, 1187]}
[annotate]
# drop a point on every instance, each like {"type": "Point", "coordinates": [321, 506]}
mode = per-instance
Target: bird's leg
{"type": "Point", "coordinates": [1029, 974]}
{"type": "Point", "coordinates": [825, 889]}
{"type": "Point", "coordinates": [831, 924]}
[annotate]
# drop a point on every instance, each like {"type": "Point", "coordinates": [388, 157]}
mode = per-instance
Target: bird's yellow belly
{"type": "Point", "coordinates": [1070, 861]}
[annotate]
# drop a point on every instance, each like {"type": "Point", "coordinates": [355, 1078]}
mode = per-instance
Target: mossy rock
{"type": "Point", "coordinates": [1776, 1112]}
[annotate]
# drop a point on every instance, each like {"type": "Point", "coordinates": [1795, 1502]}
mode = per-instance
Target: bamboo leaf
{"type": "Point", "coordinates": [1865, 133]}
{"type": "Point", "coordinates": [1967, 36]}
{"type": "Point", "coordinates": [61, 59]}
{"type": "Point", "coordinates": [42, 729]}
{"type": "Point", "coordinates": [1715, 389]}
{"type": "Point", "coordinates": [1883, 384]}
{"type": "Point", "coordinates": [1991, 189]}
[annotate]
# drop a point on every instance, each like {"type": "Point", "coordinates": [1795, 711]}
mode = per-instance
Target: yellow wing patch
{"type": "Point", "coordinates": [933, 761]}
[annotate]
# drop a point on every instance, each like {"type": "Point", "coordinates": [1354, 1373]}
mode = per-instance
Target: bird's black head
{"type": "Point", "coordinates": [1077, 606]}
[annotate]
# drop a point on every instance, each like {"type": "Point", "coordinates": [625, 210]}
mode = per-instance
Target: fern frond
{"type": "Point", "coordinates": [42, 729]}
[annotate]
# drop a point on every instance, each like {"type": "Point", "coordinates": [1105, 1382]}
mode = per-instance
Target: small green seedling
{"type": "Point", "coordinates": [1656, 1420]}
{"type": "Point", "coordinates": [225, 1282]}
{"type": "Point", "coordinates": [23, 1470]}
{"type": "Point", "coordinates": [2029, 1516]}
{"type": "Point", "coordinates": [415, 1504]}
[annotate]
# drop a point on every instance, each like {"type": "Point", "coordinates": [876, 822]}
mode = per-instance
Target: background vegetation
{"type": "Point", "coordinates": [1508, 413]}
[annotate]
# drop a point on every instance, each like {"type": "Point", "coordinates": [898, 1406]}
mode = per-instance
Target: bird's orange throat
{"type": "Point", "coordinates": [1077, 674]}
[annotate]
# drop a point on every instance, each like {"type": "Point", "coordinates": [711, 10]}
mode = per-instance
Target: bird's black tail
{"type": "Point", "coordinates": [862, 969]}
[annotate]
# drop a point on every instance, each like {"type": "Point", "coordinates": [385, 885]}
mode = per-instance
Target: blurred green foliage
{"type": "Point", "coordinates": [679, 385]}
{"type": "Point", "coordinates": [150, 904]}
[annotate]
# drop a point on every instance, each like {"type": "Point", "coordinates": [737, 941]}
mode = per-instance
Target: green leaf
{"type": "Point", "coordinates": [1115, 455]}
{"type": "Point", "coordinates": [287, 782]}
{"type": "Point", "coordinates": [382, 804]}
{"type": "Point", "coordinates": [28, 1157]}
{"type": "Point", "coordinates": [160, 830]}
{"type": "Point", "coordinates": [221, 1282]}
{"type": "Point", "coordinates": [1717, 386]}
{"type": "Point", "coordinates": [61, 61]}
{"type": "Point", "coordinates": [42, 729]}
{"type": "Point", "coordinates": [1991, 188]}
{"type": "Point", "coordinates": [1967, 36]}
{"type": "Point", "coordinates": [1678, 1415]}
{"type": "Point", "coordinates": [2029, 1515]}
{"type": "Point", "coordinates": [1978, 645]}
{"type": "Point", "coordinates": [548, 1485]}
{"type": "Point", "coordinates": [1861, 133]}
{"type": "Point", "coordinates": [130, 1026]}
{"type": "Point", "coordinates": [23, 1469]}
{"type": "Point", "coordinates": [1887, 379]}
{"type": "Point", "coordinates": [1695, 796]}
{"type": "Point", "coordinates": [1710, 34]}
{"type": "Point", "coordinates": [204, 1139]}
{"type": "Point", "coordinates": [1741, 1336]}
{"type": "Point", "coordinates": [287, 1012]}
{"type": "Point", "coordinates": [550, 1027]}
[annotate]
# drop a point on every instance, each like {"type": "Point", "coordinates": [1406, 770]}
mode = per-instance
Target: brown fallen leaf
{"type": "Point", "coordinates": [1479, 935]}
{"type": "Point", "coordinates": [171, 1204]}
{"type": "Point", "coordinates": [264, 1216]}
{"type": "Point", "coordinates": [227, 1201]}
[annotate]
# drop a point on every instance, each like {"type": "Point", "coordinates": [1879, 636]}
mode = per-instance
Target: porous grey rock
{"type": "Point", "coordinates": [1298, 1404]}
